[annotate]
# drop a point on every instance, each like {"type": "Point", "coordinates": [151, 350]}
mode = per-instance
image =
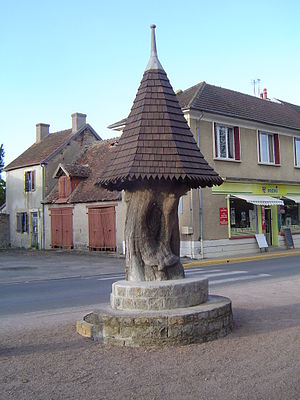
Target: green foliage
{"type": "Point", "coordinates": [2, 192]}
{"type": "Point", "coordinates": [2, 182]}
{"type": "Point", "coordinates": [1, 158]}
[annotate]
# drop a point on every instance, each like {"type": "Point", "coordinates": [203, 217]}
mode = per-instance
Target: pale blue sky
{"type": "Point", "coordinates": [61, 56]}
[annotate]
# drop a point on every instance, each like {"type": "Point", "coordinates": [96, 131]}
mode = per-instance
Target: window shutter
{"type": "Point", "coordinates": [32, 180]}
{"type": "Point", "coordinates": [26, 182]}
{"type": "Point", "coordinates": [19, 222]}
{"type": "Point", "coordinates": [61, 187]}
{"type": "Point", "coordinates": [258, 140]}
{"type": "Point", "coordinates": [216, 141]}
{"type": "Point", "coordinates": [237, 154]}
{"type": "Point", "coordinates": [276, 149]}
{"type": "Point", "coordinates": [25, 222]}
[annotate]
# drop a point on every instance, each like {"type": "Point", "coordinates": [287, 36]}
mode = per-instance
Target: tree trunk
{"type": "Point", "coordinates": [152, 234]}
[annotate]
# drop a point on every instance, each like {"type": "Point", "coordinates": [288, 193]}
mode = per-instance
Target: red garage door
{"type": "Point", "coordinates": [62, 227]}
{"type": "Point", "coordinates": [102, 229]}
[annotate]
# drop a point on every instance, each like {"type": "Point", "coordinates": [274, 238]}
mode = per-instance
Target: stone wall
{"type": "Point", "coordinates": [4, 231]}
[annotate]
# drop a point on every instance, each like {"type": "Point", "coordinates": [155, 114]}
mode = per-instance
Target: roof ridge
{"type": "Point", "coordinates": [201, 85]}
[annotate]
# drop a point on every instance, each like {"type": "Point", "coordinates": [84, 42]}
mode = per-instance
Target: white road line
{"type": "Point", "coordinates": [241, 278]}
{"type": "Point", "coordinates": [111, 278]}
{"type": "Point", "coordinates": [198, 271]}
{"type": "Point", "coordinates": [224, 273]}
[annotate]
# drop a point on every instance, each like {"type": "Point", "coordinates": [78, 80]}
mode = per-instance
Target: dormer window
{"type": "Point", "coordinates": [64, 187]}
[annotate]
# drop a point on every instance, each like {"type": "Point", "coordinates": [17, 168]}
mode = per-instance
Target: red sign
{"type": "Point", "coordinates": [223, 216]}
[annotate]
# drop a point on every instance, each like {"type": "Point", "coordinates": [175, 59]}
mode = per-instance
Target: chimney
{"type": "Point", "coordinates": [42, 130]}
{"type": "Point", "coordinates": [78, 121]}
{"type": "Point", "coordinates": [265, 94]}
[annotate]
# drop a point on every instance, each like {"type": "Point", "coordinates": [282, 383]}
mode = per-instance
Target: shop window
{"type": "Point", "coordinates": [227, 142]}
{"type": "Point", "coordinates": [29, 181]}
{"type": "Point", "coordinates": [22, 222]}
{"type": "Point", "coordinates": [268, 148]}
{"type": "Point", "coordinates": [289, 216]}
{"type": "Point", "coordinates": [242, 218]}
{"type": "Point", "coordinates": [297, 152]}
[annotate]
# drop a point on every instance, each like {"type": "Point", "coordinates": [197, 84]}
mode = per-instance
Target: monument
{"type": "Point", "coordinates": [156, 162]}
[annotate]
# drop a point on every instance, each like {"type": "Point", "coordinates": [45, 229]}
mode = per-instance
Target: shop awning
{"type": "Point", "coordinates": [260, 200]}
{"type": "Point", "coordinates": [294, 197]}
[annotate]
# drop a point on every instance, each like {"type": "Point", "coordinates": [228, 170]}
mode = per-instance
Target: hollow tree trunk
{"type": "Point", "coordinates": [152, 234]}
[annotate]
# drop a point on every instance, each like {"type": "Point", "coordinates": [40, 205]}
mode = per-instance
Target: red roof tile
{"type": "Point", "coordinates": [95, 158]}
{"type": "Point", "coordinates": [39, 152]}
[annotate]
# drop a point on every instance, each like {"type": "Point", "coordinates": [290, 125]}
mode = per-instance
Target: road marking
{"type": "Point", "coordinates": [111, 278]}
{"type": "Point", "coordinates": [241, 278]}
{"type": "Point", "coordinates": [224, 273]}
{"type": "Point", "coordinates": [201, 271]}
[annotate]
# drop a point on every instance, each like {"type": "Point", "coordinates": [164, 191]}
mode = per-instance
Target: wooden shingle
{"type": "Point", "coordinates": [157, 143]}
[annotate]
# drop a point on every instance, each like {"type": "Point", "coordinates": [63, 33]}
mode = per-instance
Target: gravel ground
{"type": "Point", "coordinates": [41, 356]}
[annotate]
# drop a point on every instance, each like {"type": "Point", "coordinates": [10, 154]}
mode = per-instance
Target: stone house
{"type": "Point", "coordinates": [254, 145]}
{"type": "Point", "coordinates": [80, 214]}
{"type": "Point", "coordinates": [29, 178]}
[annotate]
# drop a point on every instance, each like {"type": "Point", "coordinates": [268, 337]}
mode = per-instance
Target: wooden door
{"type": "Point", "coordinates": [62, 227]}
{"type": "Point", "coordinates": [102, 229]}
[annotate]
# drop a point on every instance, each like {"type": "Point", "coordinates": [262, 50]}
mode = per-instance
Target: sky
{"type": "Point", "coordinates": [59, 57]}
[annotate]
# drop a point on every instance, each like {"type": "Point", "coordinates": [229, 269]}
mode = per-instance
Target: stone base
{"type": "Point", "coordinates": [202, 323]}
{"type": "Point", "coordinates": [158, 295]}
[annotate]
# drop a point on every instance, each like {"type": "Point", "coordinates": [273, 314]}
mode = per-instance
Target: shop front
{"type": "Point", "coordinates": [260, 208]}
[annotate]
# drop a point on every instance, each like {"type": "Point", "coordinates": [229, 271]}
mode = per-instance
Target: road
{"type": "Point", "coordinates": [52, 294]}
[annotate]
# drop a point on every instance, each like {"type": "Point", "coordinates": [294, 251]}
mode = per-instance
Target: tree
{"type": "Point", "coordinates": [2, 182]}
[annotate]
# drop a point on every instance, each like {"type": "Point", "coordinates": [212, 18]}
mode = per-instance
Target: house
{"type": "Point", "coordinates": [29, 178]}
{"type": "Point", "coordinates": [80, 214]}
{"type": "Point", "coordinates": [254, 145]}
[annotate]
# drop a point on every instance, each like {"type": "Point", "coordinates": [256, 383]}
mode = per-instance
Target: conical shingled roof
{"type": "Point", "coordinates": [157, 143]}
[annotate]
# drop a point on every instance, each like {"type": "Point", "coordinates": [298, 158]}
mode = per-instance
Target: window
{"type": "Point", "coordinates": [22, 222]}
{"type": "Point", "coordinates": [268, 148]}
{"type": "Point", "coordinates": [297, 152]}
{"type": "Point", "coordinates": [227, 142]}
{"type": "Point", "coordinates": [64, 187]}
{"type": "Point", "coordinates": [289, 216]}
{"type": "Point", "coordinates": [242, 218]}
{"type": "Point", "coordinates": [29, 181]}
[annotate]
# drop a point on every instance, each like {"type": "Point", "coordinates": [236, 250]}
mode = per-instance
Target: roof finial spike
{"type": "Point", "coordinates": [154, 61]}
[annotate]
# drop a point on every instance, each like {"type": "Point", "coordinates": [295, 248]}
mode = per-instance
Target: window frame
{"type": "Point", "coordinates": [296, 158]}
{"type": "Point", "coordinates": [273, 143]}
{"type": "Point", "coordinates": [29, 181]}
{"type": "Point", "coordinates": [22, 222]}
{"type": "Point", "coordinates": [232, 142]}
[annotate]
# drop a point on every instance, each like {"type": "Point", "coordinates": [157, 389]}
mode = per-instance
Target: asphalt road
{"type": "Point", "coordinates": [26, 296]}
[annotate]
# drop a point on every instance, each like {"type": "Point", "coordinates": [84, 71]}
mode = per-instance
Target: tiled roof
{"type": "Point", "coordinates": [95, 158]}
{"type": "Point", "coordinates": [217, 100]}
{"type": "Point", "coordinates": [157, 142]}
{"type": "Point", "coordinates": [74, 170]}
{"type": "Point", "coordinates": [39, 152]}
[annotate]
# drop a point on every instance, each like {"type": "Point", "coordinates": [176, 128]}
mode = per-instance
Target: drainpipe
{"type": "Point", "coordinates": [43, 208]}
{"type": "Point", "coordinates": [200, 194]}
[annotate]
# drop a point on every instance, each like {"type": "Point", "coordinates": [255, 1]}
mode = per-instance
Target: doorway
{"type": "Point", "coordinates": [268, 221]}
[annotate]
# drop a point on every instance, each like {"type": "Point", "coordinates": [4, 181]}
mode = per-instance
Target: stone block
{"type": "Point", "coordinates": [84, 329]}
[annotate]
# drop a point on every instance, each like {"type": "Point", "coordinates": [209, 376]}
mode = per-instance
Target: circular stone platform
{"type": "Point", "coordinates": [202, 323]}
{"type": "Point", "coordinates": [159, 313]}
{"type": "Point", "coordinates": [158, 295]}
